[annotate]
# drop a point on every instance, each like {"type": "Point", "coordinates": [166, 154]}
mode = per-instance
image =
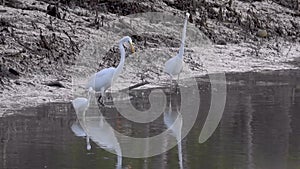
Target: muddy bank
{"type": "Point", "coordinates": [44, 55]}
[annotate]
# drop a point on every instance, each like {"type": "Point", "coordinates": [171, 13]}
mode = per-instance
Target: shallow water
{"type": "Point", "coordinates": [259, 129]}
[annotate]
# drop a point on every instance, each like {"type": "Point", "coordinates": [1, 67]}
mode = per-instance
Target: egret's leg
{"type": "Point", "coordinates": [177, 84]}
{"type": "Point", "coordinates": [171, 78]}
{"type": "Point", "coordinates": [99, 98]}
{"type": "Point", "coordinates": [103, 96]}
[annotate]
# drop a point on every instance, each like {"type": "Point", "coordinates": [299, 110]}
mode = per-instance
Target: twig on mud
{"type": "Point", "coordinates": [96, 21]}
{"type": "Point", "coordinates": [277, 46]}
{"type": "Point", "coordinates": [15, 54]}
{"type": "Point", "coordinates": [33, 8]}
{"type": "Point", "coordinates": [34, 25]}
{"type": "Point", "coordinates": [289, 50]}
{"type": "Point", "coordinates": [72, 29]}
{"type": "Point", "coordinates": [29, 83]}
{"type": "Point", "coordinates": [43, 41]}
{"type": "Point", "coordinates": [2, 39]}
{"type": "Point", "coordinates": [135, 86]}
{"type": "Point", "coordinates": [54, 84]}
{"type": "Point", "coordinates": [72, 43]}
{"type": "Point", "coordinates": [220, 14]}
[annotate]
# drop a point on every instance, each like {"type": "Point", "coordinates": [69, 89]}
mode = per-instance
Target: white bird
{"type": "Point", "coordinates": [80, 105]}
{"type": "Point", "coordinates": [95, 128]}
{"type": "Point", "coordinates": [174, 65]}
{"type": "Point", "coordinates": [103, 79]}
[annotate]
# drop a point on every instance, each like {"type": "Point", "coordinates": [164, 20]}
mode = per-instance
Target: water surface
{"type": "Point", "coordinates": [260, 129]}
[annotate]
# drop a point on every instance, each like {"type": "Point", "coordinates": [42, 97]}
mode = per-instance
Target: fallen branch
{"type": "Point", "coordinates": [55, 84]}
{"type": "Point", "coordinates": [72, 43]}
{"type": "Point", "coordinates": [135, 86]}
{"type": "Point", "coordinates": [289, 51]}
{"type": "Point", "coordinates": [43, 42]}
{"type": "Point", "coordinates": [11, 54]}
{"type": "Point", "coordinates": [33, 8]}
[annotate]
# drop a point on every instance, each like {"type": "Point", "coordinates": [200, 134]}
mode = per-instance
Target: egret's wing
{"type": "Point", "coordinates": [169, 65]}
{"type": "Point", "coordinates": [99, 75]}
{"type": "Point", "coordinates": [104, 72]}
{"type": "Point", "coordinates": [173, 66]}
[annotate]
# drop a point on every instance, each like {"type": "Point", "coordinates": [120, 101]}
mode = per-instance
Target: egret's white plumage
{"type": "Point", "coordinates": [103, 79]}
{"type": "Point", "coordinates": [174, 65]}
{"type": "Point", "coordinates": [80, 105]}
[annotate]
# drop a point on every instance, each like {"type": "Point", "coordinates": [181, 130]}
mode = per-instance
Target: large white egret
{"type": "Point", "coordinates": [174, 65]}
{"type": "Point", "coordinates": [103, 79]}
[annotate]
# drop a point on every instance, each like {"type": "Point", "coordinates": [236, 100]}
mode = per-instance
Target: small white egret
{"type": "Point", "coordinates": [80, 105]}
{"type": "Point", "coordinates": [174, 65]}
{"type": "Point", "coordinates": [103, 79]}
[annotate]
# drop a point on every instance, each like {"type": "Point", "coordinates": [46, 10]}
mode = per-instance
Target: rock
{"type": "Point", "coordinates": [262, 33]}
{"type": "Point", "coordinates": [169, 2]}
{"type": "Point", "coordinates": [221, 42]}
{"type": "Point", "coordinates": [14, 72]}
{"type": "Point", "coordinates": [53, 10]}
{"type": "Point", "coordinates": [55, 84]}
{"type": "Point", "coordinates": [17, 82]}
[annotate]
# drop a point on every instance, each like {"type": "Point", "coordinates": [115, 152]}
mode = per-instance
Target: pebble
{"type": "Point", "coordinates": [262, 33]}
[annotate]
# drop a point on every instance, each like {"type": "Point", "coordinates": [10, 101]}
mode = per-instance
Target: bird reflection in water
{"type": "Point", "coordinates": [92, 125]}
{"type": "Point", "coordinates": [173, 121]}
{"type": "Point", "coordinates": [81, 105]}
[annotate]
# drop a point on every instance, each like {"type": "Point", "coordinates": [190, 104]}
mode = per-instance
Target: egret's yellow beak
{"type": "Point", "coordinates": [132, 47]}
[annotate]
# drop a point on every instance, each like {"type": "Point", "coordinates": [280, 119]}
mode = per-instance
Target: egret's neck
{"type": "Point", "coordinates": [122, 61]}
{"type": "Point", "coordinates": [181, 49]}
